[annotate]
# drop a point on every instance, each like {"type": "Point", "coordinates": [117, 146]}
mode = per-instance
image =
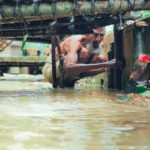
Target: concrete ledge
{"type": "Point", "coordinates": [22, 61]}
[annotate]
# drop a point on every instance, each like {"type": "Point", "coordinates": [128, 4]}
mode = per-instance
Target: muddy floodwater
{"type": "Point", "coordinates": [35, 117]}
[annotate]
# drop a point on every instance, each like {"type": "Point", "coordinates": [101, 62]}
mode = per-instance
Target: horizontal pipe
{"type": "Point", "coordinates": [66, 9]}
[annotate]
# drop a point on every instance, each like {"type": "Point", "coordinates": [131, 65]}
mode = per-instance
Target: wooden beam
{"type": "Point", "coordinates": [61, 63]}
{"type": "Point", "coordinates": [111, 70]}
{"type": "Point", "coordinates": [118, 54]}
{"type": "Point", "coordinates": [53, 62]}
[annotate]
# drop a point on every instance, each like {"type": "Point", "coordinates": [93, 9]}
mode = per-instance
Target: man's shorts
{"type": "Point", "coordinates": [47, 70]}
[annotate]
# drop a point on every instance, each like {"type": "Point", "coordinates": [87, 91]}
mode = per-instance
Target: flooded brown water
{"type": "Point", "coordinates": [34, 117]}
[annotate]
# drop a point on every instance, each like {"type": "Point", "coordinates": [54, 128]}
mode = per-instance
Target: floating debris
{"type": "Point", "coordinates": [124, 98]}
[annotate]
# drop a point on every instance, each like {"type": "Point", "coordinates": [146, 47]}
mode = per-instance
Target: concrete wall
{"type": "Point", "coordinates": [11, 51]}
{"type": "Point", "coordinates": [14, 51]}
{"type": "Point", "coordinates": [6, 52]}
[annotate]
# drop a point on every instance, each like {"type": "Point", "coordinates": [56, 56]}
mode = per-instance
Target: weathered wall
{"type": "Point", "coordinates": [11, 51]}
{"type": "Point", "coordinates": [16, 51]}
{"type": "Point", "coordinates": [128, 47]}
{"type": "Point", "coordinates": [147, 37]}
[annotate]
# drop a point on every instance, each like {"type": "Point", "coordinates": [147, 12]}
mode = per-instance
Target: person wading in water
{"type": "Point", "coordinates": [81, 58]}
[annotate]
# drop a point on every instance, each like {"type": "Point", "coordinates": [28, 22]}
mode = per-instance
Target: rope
{"type": "Point", "coordinates": [42, 25]}
{"type": "Point", "coordinates": [110, 4]}
{"type": "Point", "coordinates": [130, 4]}
{"type": "Point", "coordinates": [17, 12]}
{"type": "Point", "coordinates": [18, 8]}
{"type": "Point", "coordinates": [121, 26]}
{"type": "Point", "coordinates": [61, 62]}
{"type": "Point", "coordinates": [76, 7]}
{"type": "Point", "coordinates": [24, 42]}
{"type": "Point", "coordinates": [25, 26]}
{"type": "Point", "coordinates": [83, 12]}
{"type": "Point", "coordinates": [120, 16]}
{"type": "Point", "coordinates": [72, 19]}
{"type": "Point", "coordinates": [36, 7]}
{"type": "Point", "coordinates": [85, 17]}
{"type": "Point", "coordinates": [54, 10]}
{"type": "Point", "coordinates": [1, 16]}
{"type": "Point", "coordinates": [72, 26]}
{"type": "Point", "coordinates": [93, 6]}
{"type": "Point", "coordinates": [1, 12]}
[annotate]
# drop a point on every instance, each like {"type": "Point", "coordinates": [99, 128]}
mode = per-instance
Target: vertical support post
{"type": "Point", "coordinates": [111, 71]}
{"type": "Point", "coordinates": [139, 48]}
{"type": "Point", "coordinates": [118, 53]}
{"type": "Point", "coordinates": [139, 44]}
{"type": "Point", "coordinates": [53, 62]}
{"type": "Point", "coordinates": [61, 63]}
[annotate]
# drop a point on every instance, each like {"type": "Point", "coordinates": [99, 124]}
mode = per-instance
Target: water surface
{"type": "Point", "coordinates": [34, 117]}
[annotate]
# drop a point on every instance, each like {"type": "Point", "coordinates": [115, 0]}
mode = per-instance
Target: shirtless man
{"type": "Point", "coordinates": [81, 58]}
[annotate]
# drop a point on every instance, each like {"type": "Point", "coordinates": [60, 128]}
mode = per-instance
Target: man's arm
{"type": "Point", "coordinates": [81, 68]}
{"type": "Point", "coordinates": [93, 72]}
{"type": "Point", "coordinates": [72, 67]}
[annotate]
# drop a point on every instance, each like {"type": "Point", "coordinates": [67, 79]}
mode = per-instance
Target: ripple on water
{"type": "Point", "coordinates": [72, 119]}
{"type": "Point", "coordinates": [26, 136]}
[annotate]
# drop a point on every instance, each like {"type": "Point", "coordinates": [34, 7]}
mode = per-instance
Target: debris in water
{"type": "Point", "coordinates": [140, 89]}
{"type": "Point", "coordinates": [124, 98]}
